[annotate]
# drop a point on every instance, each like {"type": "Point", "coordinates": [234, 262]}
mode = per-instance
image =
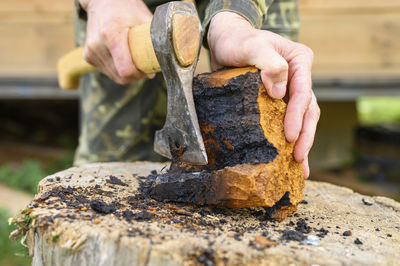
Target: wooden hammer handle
{"type": "Point", "coordinates": [185, 38]}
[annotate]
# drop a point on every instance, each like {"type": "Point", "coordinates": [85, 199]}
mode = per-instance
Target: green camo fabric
{"type": "Point", "coordinates": [118, 123]}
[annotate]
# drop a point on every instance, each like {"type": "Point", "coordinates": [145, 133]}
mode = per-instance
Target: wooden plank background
{"type": "Point", "coordinates": [350, 38]}
{"type": "Point", "coordinates": [34, 33]}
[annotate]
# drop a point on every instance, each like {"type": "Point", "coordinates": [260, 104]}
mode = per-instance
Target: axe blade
{"type": "Point", "coordinates": [180, 138]}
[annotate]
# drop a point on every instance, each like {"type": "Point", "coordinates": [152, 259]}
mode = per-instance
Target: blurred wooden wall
{"type": "Point", "coordinates": [349, 37]}
{"type": "Point", "coordinates": [352, 37]}
{"type": "Point", "coordinates": [34, 33]}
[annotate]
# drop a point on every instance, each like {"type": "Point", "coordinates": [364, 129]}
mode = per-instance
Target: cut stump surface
{"type": "Point", "coordinates": [96, 215]}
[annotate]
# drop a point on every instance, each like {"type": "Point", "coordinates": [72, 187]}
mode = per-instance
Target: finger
{"type": "Point", "coordinates": [96, 53]}
{"type": "Point", "coordinates": [306, 138]}
{"type": "Point", "coordinates": [99, 57]}
{"type": "Point", "coordinates": [150, 76]}
{"type": "Point", "coordinates": [111, 68]}
{"type": "Point", "coordinates": [119, 49]}
{"type": "Point", "coordinates": [94, 59]}
{"type": "Point", "coordinates": [300, 95]}
{"type": "Point", "coordinates": [214, 64]}
{"type": "Point", "coordinates": [92, 44]}
{"type": "Point", "coordinates": [274, 70]}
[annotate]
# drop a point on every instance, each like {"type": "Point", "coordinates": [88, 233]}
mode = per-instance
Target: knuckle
{"type": "Point", "coordinates": [308, 97]}
{"type": "Point", "coordinates": [310, 52]}
{"type": "Point", "coordinates": [248, 45]}
{"type": "Point", "coordinates": [106, 36]}
{"type": "Point", "coordinates": [103, 31]}
{"type": "Point", "coordinates": [122, 81]}
{"type": "Point", "coordinates": [87, 56]}
{"type": "Point", "coordinates": [315, 113]}
{"type": "Point", "coordinates": [306, 50]}
{"type": "Point", "coordinates": [304, 96]}
{"type": "Point", "coordinates": [91, 46]}
{"type": "Point", "coordinates": [118, 80]}
{"type": "Point", "coordinates": [106, 30]}
{"type": "Point", "coordinates": [109, 35]}
{"type": "Point", "coordinates": [125, 72]}
{"type": "Point", "coordinates": [245, 45]}
{"type": "Point", "coordinates": [278, 67]}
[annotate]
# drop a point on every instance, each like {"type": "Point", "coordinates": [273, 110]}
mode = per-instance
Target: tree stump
{"type": "Point", "coordinates": [250, 162]}
{"type": "Point", "coordinates": [97, 215]}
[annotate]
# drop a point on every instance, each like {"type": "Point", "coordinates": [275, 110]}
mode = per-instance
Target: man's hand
{"type": "Point", "coordinates": [106, 45]}
{"type": "Point", "coordinates": [285, 71]}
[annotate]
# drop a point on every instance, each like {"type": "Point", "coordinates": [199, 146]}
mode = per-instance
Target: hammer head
{"type": "Point", "coordinates": [176, 36]}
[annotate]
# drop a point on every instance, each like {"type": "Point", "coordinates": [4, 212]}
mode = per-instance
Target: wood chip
{"type": "Point", "coordinates": [264, 242]}
{"type": "Point", "coordinates": [182, 212]}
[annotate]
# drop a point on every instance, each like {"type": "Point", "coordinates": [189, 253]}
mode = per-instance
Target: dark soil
{"type": "Point", "coordinates": [101, 207]}
{"type": "Point", "coordinates": [347, 233]}
{"type": "Point", "coordinates": [366, 202]}
{"type": "Point", "coordinates": [293, 235]}
{"type": "Point", "coordinates": [302, 226]}
{"type": "Point", "coordinates": [358, 242]}
{"type": "Point", "coordinates": [115, 181]}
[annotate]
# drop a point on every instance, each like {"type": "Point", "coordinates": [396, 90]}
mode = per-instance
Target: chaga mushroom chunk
{"type": "Point", "coordinates": [250, 162]}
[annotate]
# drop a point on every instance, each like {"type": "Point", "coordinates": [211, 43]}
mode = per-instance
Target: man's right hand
{"type": "Point", "coordinates": [106, 45]}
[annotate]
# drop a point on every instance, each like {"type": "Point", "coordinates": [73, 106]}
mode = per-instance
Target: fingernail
{"type": "Point", "coordinates": [307, 172]}
{"type": "Point", "coordinates": [297, 136]}
{"type": "Point", "coordinates": [279, 89]}
{"type": "Point", "coordinates": [306, 154]}
{"type": "Point", "coordinates": [151, 76]}
{"type": "Point", "coordinates": [306, 168]}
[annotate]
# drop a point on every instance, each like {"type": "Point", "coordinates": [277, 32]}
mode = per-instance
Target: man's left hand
{"type": "Point", "coordinates": [285, 71]}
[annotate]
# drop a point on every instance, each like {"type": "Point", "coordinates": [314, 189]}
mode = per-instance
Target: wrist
{"type": "Point", "coordinates": [223, 22]}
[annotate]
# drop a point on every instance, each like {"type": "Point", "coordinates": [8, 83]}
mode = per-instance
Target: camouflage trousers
{"type": "Point", "coordinates": [117, 123]}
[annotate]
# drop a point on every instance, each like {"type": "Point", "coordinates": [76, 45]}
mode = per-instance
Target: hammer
{"type": "Point", "coordinates": [169, 43]}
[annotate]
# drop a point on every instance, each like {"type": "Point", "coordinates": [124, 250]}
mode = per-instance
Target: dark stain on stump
{"type": "Point", "coordinates": [115, 181]}
{"type": "Point", "coordinates": [101, 207]}
{"type": "Point", "coordinates": [181, 187]}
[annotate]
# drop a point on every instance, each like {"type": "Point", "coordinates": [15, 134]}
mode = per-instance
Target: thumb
{"type": "Point", "coordinates": [274, 69]}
